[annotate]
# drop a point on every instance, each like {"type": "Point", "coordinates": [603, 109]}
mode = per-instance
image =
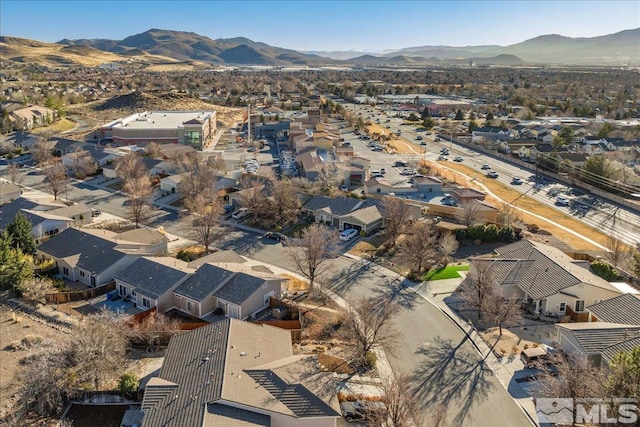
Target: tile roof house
{"type": "Point", "coordinates": [599, 341]}
{"type": "Point", "coordinates": [198, 289]}
{"type": "Point", "coordinates": [233, 373]}
{"type": "Point", "coordinates": [623, 309]}
{"type": "Point", "coordinates": [546, 279]}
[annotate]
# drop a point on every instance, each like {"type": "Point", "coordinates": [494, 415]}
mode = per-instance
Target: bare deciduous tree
{"type": "Point", "coordinates": [395, 216]}
{"type": "Point", "coordinates": [36, 288]}
{"type": "Point", "coordinates": [83, 164]}
{"type": "Point", "coordinates": [56, 177]}
{"type": "Point", "coordinates": [130, 166]}
{"type": "Point", "coordinates": [508, 215]}
{"type": "Point", "coordinates": [254, 198]}
{"type": "Point", "coordinates": [152, 328]}
{"type": "Point", "coordinates": [313, 253]}
{"type": "Point", "coordinates": [401, 402]}
{"type": "Point", "coordinates": [205, 209]}
{"type": "Point", "coordinates": [469, 213]}
{"type": "Point", "coordinates": [284, 202]}
{"type": "Point", "coordinates": [502, 311]}
{"type": "Point", "coordinates": [327, 180]}
{"type": "Point", "coordinates": [447, 245]}
{"type": "Point", "coordinates": [41, 152]}
{"type": "Point", "coordinates": [98, 348]}
{"type": "Point", "coordinates": [477, 289]}
{"type": "Point", "coordinates": [419, 246]}
{"type": "Point", "coordinates": [371, 325]}
{"type": "Point", "coordinates": [153, 150]}
{"type": "Point", "coordinates": [15, 176]}
{"type": "Point", "coordinates": [617, 252]}
{"type": "Point", "coordinates": [575, 377]}
{"type": "Point", "coordinates": [139, 192]}
{"type": "Point", "coordinates": [200, 176]}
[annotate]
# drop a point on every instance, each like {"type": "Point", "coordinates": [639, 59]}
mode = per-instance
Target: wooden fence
{"type": "Point", "coordinates": [64, 297]}
{"type": "Point", "coordinates": [91, 397]}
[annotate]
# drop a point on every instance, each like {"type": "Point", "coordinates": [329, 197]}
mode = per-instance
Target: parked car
{"type": "Point", "coordinates": [344, 188]}
{"type": "Point", "coordinates": [492, 174]}
{"type": "Point", "coordinates": [241, 213]}
{"type": "Point", "coordinates": [348, 234]}
{"type": "Point", "coordinates": [485, 167]}
{"type": "Point", "coordinates": [274, 235]}
{"type": "Point", "coordinates": [516, 181]}
{"type": "Point", "coordinates": [95, 213]}
{"type": "Point", "coordinates": [383, 171]}
{"type": "Point", "coordinates": [562, 201]}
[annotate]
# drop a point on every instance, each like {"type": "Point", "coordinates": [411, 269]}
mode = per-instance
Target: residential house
{"type": "Point", "coordinates": [598, 341]}
{"type": "Point", "coordinates": [233, 373]}
{"type": "Point", "coordinates": [149, 281]}
{"type": "Point", "coordinates": [623, 309]}
{"type": "Point", "coordinates": [82, 256]}
{"type": "Point", "coordinates": [9, 192]}
{"type": "Point", "coordinates": [490, 134]}
{"type": "Point", "coordinates": [171, 184]}
{"type": "Point", "coordinates": [575, 160]}
{"type": "Point", "coordinates": [421, 187]}
{"type": "Point", "coordinates": [198, 289]}
{"type": "Point", "coordinates": [153, 166]}
{"type": "Point", "coordinates": [46, 219]}
{"type": "Point", "coordinates": [344, 212]}
{"type": "Point", "coordinates": [547, 280]}
{"type": "Point", "coordinates": [76, 153]}
{"type": "Point", "coordinates": [465, 194]}
{"type": "Point", "coordinates": [31, 117]}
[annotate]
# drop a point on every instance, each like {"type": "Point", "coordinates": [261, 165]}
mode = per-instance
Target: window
{"type": "Point", "coordinates": [189, 306]}
{"type": "Point", "coordinates": [563, 307]}
{"type": "Point", "coordinates": [81, 273]}
{"type": "Point", "coordinates": [146, 303]}
{"type": "Point", "coordinates": [65, 271]}
{"type": "Point", "coordinates": [579, 306]}
{"type": "Point", "coordinates": [123, 291]}
{"type": "Point", "coordinates": [377, 190]}
{"type": "Point", "coordinates": [133, 293]}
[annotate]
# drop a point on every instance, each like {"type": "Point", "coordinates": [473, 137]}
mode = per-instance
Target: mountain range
{"type": "Point", "coordinates": [157, 46]}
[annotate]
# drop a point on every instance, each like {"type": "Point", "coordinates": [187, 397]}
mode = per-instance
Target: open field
{"type": "Point", "coordinates": [56, 127]}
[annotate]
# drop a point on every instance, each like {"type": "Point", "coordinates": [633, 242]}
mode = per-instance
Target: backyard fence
{"type": "Point", "coordinates": [89, 397]}
{"type": "Point", "coordinates": [64, 297]}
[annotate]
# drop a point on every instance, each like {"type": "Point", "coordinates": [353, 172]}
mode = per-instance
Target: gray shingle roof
{"type": "Point", "coordinates": [623, 309]}
{"type": "Point", "coordinates": [95, 254]}
{"type": "Point", "coordinates": [150, 277]}
{"type": "Point", "coordinates": [594, 337]}
{"type": "Point", "coordinates": [203, 282]}
{"type": "Point", "coordinates": [218, 257]}
{"type": "Point", "coordinates": [239, 288]}
{"type": "Point", "coordinates": [544, 270]}
{"type": "Point", "coordinates": [338, 206]}
{"type": "Point", "coordinates": [10, 210]}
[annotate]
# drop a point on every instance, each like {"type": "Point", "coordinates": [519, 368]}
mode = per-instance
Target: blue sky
{"type": "Point", "coordinates": [323, 25]}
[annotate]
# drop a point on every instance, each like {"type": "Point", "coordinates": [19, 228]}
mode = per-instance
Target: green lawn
{"type": "Point", "coordinates": [450, 272]}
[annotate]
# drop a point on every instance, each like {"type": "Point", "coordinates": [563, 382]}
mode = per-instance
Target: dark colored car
{"type": "Point", "coordinates": [274, 235]}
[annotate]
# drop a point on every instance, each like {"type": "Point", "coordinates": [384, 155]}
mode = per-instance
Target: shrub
{"type": "Point", "coordinates": [491, 233]}
{"type": "Point", "coordinates": [605, 270]}
{"type": "Point", "coordinates": [476, 232]}
{"type": "Point", "coordinates": [414, 276]}
{"type": "Point", "coordinates": [128, 382]}
{"type": "Point", "coordinates": [184, 256]}
{"type": "Point", "coordinates": [370, 359]}
{"type": "Point", "coordinates": [278, 228]}
{"type": "Point", "coordinates": [533, 228]}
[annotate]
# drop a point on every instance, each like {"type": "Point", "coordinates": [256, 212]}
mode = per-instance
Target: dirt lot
{"type": "Point", "coordinates": [15, 329]}
{"type": "Point", "coordinates": [96, 415]}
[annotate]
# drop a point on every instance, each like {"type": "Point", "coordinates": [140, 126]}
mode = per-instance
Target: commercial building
{"type": "Point", "coordinates": [192, 128]}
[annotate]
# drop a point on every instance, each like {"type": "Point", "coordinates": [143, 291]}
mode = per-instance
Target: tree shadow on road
{"type": "Point", "coordinates": [452, 376]}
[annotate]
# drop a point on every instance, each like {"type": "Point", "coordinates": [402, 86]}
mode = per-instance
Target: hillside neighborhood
{"type": "Point", "coordinates": [320, 247]}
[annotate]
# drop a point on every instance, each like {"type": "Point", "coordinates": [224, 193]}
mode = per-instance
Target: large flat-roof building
{"type": "Point", "coordinates": [193, 128]}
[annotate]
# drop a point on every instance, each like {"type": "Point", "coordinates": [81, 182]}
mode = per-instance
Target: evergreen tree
{"type": "Point", "coordinates": [459, 115]}
{"type": "Point", "coordinates": [21, 237]}
{"type": "Point", "coordinates": [15, 266]}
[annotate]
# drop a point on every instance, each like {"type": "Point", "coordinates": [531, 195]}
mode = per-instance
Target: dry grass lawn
{"type": "Point", "coordinates": [294, 284]}
{"type": "Point", "coordinates": [58, 126]}
{"type": "Point", "coordinates": [507, 194]}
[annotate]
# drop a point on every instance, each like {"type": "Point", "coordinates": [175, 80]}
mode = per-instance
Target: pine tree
{"type": "Point", "coordinates": [21, 237]}
{"type": "Point", "coordinates": [15, 266]}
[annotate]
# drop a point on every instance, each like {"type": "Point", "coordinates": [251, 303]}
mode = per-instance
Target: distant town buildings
{"type": "Point", "coordinates": [192, 128]}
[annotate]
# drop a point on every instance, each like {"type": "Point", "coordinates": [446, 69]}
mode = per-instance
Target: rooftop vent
{"type": "Point", "coordinates": [242, 353]}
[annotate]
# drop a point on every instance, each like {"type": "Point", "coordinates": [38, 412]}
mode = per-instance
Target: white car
{"type": "Point", "coordinates": [562, 201]}
{"type": "Point", "coordinates": [241, 213]}
{"type": "Point", "coordinates": [516, 181]}
{"type": "Point", "coordinates": [349, 234]}
{"type": "Point", "coordinates": [492, 174]}
{"type": "Point", "coordinates": [485, 167]}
